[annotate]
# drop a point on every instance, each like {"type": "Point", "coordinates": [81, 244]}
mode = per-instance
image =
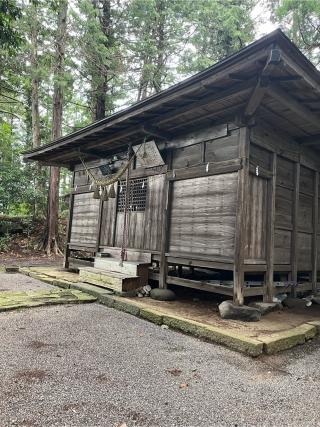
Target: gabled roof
{"type": "Point", "coordinates": [290, 96]}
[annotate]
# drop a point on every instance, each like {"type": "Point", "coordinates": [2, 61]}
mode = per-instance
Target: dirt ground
{"type": "Point", "coordinates": [206, 311]}
{"type": "Point", "coordinates": [26, 260]}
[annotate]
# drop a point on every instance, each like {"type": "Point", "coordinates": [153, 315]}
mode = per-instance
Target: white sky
{"type": "Point", "coordinates": [261, 16]}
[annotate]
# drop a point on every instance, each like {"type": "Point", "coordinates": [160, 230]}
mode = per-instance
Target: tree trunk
{"type": "Point", "coordinates": [34, 97]}
{"type": "Point", "coordinates": [35, 119]}
{"type": "Point", "coordinates": [100, 98]}
{"type": "Point", "coordinates": [160, 43]}
{"type": "Point", "coordinates": [52, 243]}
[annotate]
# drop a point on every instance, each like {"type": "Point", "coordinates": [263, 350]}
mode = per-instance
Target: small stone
{"type": "Point", "coordinates": [164, 326]}
{"type": "Point", "coordinates": [162, 294]}
{"type": "Point", "coordinates": [291, 302]}
{"type": "Point", "coordinates": [266, 307]}
{"type": "Point", "coordinates": [316, 299]}
{"type": "Point", "coordinates": [228, 310]}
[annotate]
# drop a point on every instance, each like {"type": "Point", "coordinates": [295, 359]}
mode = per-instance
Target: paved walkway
{"type": "Point", "coordinates": [90, 365]}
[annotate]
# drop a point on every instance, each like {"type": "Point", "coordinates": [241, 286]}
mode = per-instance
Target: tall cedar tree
{"type": "Point", "coordinates": [58, 93]}
{"type": "Point", "coordinates": [99, 26]}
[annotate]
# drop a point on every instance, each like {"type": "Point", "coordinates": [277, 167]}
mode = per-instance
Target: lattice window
{"type": "Point", "coordinates": [137, 197]}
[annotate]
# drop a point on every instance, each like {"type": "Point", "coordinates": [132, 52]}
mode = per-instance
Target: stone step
{"type": "Point", "coordinates": [133, 268]}
{"type": "Point", "coordinates": [113, 280]}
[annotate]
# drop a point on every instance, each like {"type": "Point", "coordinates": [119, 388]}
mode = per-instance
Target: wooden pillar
{"type": "Point", "coordinates": [69, 226]}
{"type": "Point", "coordinates": [271, 206]}
{"type": "Point", "coordinates": [240, 230]}
{"type": "Point", "coordinates": [99, 224]}
{"type": "Point", "coordinates": [315, 231]}
{"type": "Point", "coordinates": [294, 237]}
{"type": "Point", "coordinates": [164, 235]}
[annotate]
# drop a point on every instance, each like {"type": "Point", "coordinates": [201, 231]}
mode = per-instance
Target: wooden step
{"type": "Point", "coordinates": [133, 268]}
{"type": "Point", "coordinates": [115, 281]}
{"type": "Point", "coordinates": [132, 255]}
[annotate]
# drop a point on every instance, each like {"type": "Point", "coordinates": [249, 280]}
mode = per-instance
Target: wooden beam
{"type": "Point", "coordinates": [277, 79]}
{"type": "Point", "coordinates": [255, 100]}
{"type": "Point", "coordinates": [99, 224]}
{"type": "Point", "coordinates": [271, 206]}
{"type": "Point", "coordinates": [212, 168]}
{"type": "Point", "coordinates": [240, 229]}
{"type": "Point", "coordinates": [309, 140]}
{"type": "Point", "coordinates": [263, 82]}
{"type": "Point", "coordinates": [315, 231]}
{"type": "Point", "coordinates": [165, 234]}
{"type": "Point", "coordinates": [288, 101]}
{"type": "Point", "coordinates": [155, 131]}
{"type": "Point", "coordinates": [70, 216]}
{"type": "Point", "coordinates": [295, 67]}
{"type": "Point", "coordinates": [294, 234]}
{"type": "Point", "coordinates": [197, 284]}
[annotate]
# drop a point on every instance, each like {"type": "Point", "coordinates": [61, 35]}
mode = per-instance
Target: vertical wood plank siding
{"type": "Point", "coordinates": [85, 219]}
{"type": "Point", "coordinates": [202, 216]}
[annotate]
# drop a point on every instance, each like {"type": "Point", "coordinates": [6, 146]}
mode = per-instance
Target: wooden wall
{"type": "Point", "coordinates": [85, 220]}
{"type": "Point", "coordinates": [202, 216]}
{"type": "Point", "coordinates": [296, 199]}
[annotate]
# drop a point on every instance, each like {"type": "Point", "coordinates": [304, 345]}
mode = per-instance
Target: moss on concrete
{"type": "Point", "coordinates": [218, 335]}
{"type": "Point", "coordinates": [107, 300]}
{"type": "Point", "coordinates": [282, 340]}
{"type": "Point", "coordinates": [13, 300]}
{"type": "Point", "coordinates": [90, 289]}
{"type": "Point", "coordinates": [127, 307]}
{"type": "Point", "coordinates": [151, 315]}
{"type": "Point", "coordinates": [315, 323]}
{"type": "Point", "coordinates": [309, 331]}
{"type": "Point", "coordinates": [61, 283]}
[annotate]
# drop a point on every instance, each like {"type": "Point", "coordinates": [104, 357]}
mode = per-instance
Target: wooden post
{"type": "Point", "coordinates": [315, 231]}
{"type": "Point", "coordinates": [164, 235]}
{"type": "Point", "coordinates": [240, 230]}
{"type": "Point", "coordinates": [99, 224]}
{"type": "Point", "coordinates": [294, 237]}
{"type": "Point", "coordinates": [271, 206]}
{"type": "Point", "coordinates": [69, 226]}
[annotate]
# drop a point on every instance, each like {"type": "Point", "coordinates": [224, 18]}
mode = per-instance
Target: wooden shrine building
{"type": "Point", "coordinates": [224, 185]}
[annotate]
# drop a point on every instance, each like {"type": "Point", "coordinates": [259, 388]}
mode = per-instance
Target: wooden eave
{"type": "Point", "coordinates": [286, 89]}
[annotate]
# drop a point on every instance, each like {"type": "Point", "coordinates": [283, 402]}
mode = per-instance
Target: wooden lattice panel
{"type": "Point", "coordinates": [137, 195]}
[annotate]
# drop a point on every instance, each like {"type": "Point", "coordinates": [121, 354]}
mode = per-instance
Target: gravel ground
{"type": "Point", "coordinates": [90, 365]}
{"type": "Point", "coordinates": [20, 282]}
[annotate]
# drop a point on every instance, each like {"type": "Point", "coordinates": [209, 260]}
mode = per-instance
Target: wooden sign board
{"type": "Point", "coordinates": [148, 154]}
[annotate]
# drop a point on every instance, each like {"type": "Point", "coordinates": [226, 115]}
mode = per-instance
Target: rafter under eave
{"type": "Point", "coordinates": [276, 92]}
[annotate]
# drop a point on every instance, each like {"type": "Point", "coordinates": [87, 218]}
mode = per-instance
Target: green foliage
{"type": "Point", "coordinates": [301, 21]}
{"type": "Point", "coordinates": [5, 242]}
{"type": "Point", "coordinates": [9, 13]}
{"type": "Point", "coordinates": [216, 30]}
